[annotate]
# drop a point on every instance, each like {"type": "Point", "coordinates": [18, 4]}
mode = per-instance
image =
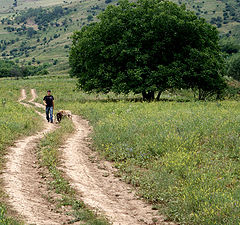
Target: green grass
{"type": "Point", "coordinates": [15, 121]}
{"type": "Point", "coordinates": [181, 156]}
{"type": "Point", "coordinates": [184, 157]}
{"type": "Point", "coordinates": [6, 220]}
{"type": "Point", "coordinates": [49, 157]}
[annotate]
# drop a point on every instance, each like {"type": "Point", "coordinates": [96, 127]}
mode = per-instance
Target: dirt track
{"type": "Point", "coordinates": [94, 180]}
{"type": "Point", "coordinates": [99, 188]}
{"type": "Point", "coordinates": [23, 182]}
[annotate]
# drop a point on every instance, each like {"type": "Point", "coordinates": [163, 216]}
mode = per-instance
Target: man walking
{"type": "Point", "coordinates": [48, 101]}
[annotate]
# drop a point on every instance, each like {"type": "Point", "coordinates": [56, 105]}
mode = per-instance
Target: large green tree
{"type": "Point", "coordinates": [146, 47]}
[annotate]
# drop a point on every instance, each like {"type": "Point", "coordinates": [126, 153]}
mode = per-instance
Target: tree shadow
{"type": "Point", "coordinates": [127, 99]}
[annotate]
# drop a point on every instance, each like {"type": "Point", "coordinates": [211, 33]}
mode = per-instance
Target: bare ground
{"type": "Point", "coordinates": [94, 180]}
{"type": "Point", "coordinates": [24, 184]}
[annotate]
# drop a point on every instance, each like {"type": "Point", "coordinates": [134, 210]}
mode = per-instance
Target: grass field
{"type": "Point", "coordinates": [181, 156]}
{"type": "Point", "coordinates": [15, 121]}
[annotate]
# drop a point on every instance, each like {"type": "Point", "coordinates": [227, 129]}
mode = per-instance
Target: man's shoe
{"type": "Point", "coordinates": [51, 121]}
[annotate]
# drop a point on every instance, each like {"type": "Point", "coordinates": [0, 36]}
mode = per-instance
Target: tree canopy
{"type": "Point", "coordinates": [145, 47]}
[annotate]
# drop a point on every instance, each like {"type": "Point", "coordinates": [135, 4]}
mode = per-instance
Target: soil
{"type": "Point", "coordinates": [23, 182]}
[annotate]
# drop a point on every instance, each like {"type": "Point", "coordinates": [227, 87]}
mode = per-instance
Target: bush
{"type": "Point", "coordinates": [230, 47]}
{"type": "Point", "coordinates": [234, 67]}
{"type": "Point", "coordinates": [11, 69]}
{"type": "Point", "coordinates": [90, 18]}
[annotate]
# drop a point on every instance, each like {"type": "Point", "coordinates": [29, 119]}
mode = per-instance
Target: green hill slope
{"type": "Point", "coordinates": [38, 31]}
{"type": "Point", "coordinates": [42, 35]}
{"type": "Point", "coordinates": [225, 14]}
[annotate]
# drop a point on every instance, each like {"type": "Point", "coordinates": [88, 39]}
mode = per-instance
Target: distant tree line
{"type": "Point", "coordinates": [17, 52]}
{"type": "Point", "coordinates": [11, 69]}
{"type": "Point", "coordinates": [29, 31]}
{"type": "Point", "coordinates": [234, 67]}
{"type": "Point", "coordinates": [231, 50]}
{"type": "Point", "coordinates": [42, 17]}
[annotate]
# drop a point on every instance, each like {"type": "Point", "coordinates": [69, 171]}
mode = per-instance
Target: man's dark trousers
{"type": "Point", "coordinates": [49, 110]}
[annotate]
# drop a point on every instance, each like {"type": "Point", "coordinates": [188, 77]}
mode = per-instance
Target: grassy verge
{"type": "Point", "coordinates": [15, 121]}
{"type": "Point", "coordinates": [49, 158]}
{"type": "Point", "coordinates": [182, 157]}
{"type": "Point", "coordinates": [6, 220]}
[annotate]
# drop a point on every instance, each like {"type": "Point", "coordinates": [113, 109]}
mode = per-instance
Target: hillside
{"type": "Point", "coordinates": [45, 38]}
{"type": "Point", "coordinates": [35, 32]}
{"type": "Point", "coordinates": [225, 14]}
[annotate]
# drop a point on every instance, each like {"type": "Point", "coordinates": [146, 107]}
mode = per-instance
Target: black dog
{"type": "Point", "coordinates": [59, 117]}
{"type": "Point", "coordinates": [63, 113]}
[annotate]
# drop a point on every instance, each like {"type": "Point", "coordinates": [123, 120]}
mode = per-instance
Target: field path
{"type": "Point", "coordinates": [23, 182]}
{"type": "Point", "coordinates": [98, 186]}
{"type": "Point", "coordinates": [96, 183]}
{"type": "Point", "coordinates": [91, 177]}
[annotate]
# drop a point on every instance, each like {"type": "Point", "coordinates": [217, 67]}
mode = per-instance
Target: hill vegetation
{"type": "Point", "coordinates": [26, 34]}
{"type": "Point", "coordinates": [29, 31]}
{"type": "Point", "coordinates": [11, 69]}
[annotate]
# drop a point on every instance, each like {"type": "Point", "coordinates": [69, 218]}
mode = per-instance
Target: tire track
{"type": "Point", "coordinates": [23, 182]}
{"type": "Point", "coordinates": [99, 188]}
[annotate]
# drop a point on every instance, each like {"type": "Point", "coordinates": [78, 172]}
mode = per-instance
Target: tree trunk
{"type": "Point", "coordinates": [148, 96]}
{"type": "Point", "coordinates": [202, 95]}
{"type": "Point", "coordinates": [158, 96]}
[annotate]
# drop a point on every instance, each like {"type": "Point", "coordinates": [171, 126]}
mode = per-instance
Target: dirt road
{"type": "Point", "coordinates": [23, 182]}
{"type": "Point", "coordinates": [99, 187]}
{"type": "Point", "coordinates": [94, 180]}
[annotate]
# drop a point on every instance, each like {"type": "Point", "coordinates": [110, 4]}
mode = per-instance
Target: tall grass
{"type": "Point", "coordinates": [183, 157]}
{"type": "Point", "coordinates": [4, 220]}
{"type": "Point", "coordinates": [15, 119]}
